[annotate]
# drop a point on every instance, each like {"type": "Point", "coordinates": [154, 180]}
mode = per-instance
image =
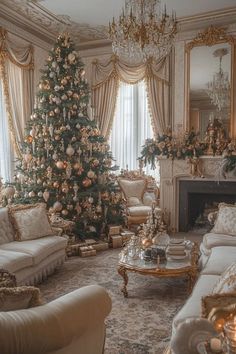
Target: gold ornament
{"type": "Point", "coordinates": [56, 184]}
{"type": "Point", "coordinates": [70, 151]}
{"type": "Point", "coordinates": [90, 174]}
{"type": "Point", "coordinates": [32, 194]}
{"type": "Point", "coordinates": [57, 137]}
{"type": "Point", "coordinates": [69, 93]}
{"type": "Point", "coordinates": [57, 110]}
{"type": "Point", "coordinates": [64, 81]}
{"type": "Point", "coordinates": [75, 95]}
{"type": "Point", "coordinates": [46, 195]}
{"type": "Point", "coordinates": [60, 164]}
{"type": "Point", "coordinates": [64, 97]}
{"type": "Point", "coordinates": [74, 106]}
{"type": "Point", "coordinates": [96, 162]}
{"type": "Point", "coordinates": [51, 114]}
{"type": "Point", "coordinates": [65, 212]}
{"type": "Point", "coordinates": [76, 166]}
{"type": "Point", "coordinates": [87, 182]}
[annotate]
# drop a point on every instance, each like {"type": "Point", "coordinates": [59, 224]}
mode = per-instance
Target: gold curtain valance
{"type": "Point", "coordinates": [128, 73]}
{"type": "Point", "coordinates": [22, 56]}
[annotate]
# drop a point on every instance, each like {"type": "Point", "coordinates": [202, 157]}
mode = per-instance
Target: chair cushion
{"type": "Point", "coordinates": [134, 201]}
{"type": "Point", "coordinates": [38, 249]}
{"type": "Point", "coordinates": [14, 261]}
{"type": "Point", "coordinates": [220, 258]}
{"type": "Point", "coordinates": [6, 230]}
{"type": "Point", "coordinates": [225, 222]}
{"type": "Point", "coordinates": [133, 188]}
{"type": "Point", "coordinates": [18, 298]}
{"type": "Point", "coordinates": [139, 210]}
{"type": "Point", "coordinates": [30, 221]}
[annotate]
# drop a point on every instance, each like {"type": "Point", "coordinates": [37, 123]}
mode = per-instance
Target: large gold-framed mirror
{"type": "Point", "coordinates": [210, 82]}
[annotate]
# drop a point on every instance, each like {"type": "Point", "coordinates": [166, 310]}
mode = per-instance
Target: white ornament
{"type": "Point", "coordinates": [57, 206]}
{"type": "Point", "coordinates": [31, 194]}
{"type": "Point", "coordinates": [90, 199]}
{"type": "Point", "coordinates": [70, 151]}
{"type": "Point", "coordinates": [40, 194]}
{"type": "Point", "coordinates": [90, 174]}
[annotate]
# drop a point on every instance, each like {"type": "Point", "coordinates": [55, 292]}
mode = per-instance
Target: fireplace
{"type": "Point", "coordinates": [195, 194]}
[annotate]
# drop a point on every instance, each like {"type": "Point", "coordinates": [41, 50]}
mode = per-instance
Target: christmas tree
{"type": "Point", "coordinates": [65, 160]}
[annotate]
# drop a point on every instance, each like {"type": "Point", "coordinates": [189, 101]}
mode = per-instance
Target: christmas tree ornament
{"type": "Point", "coordinates": [70, 207]}
{"type": "Point", "coordinates": [90, 200]}
{"type": "Point", "coordinates": [55, 156]}
{"type": "Point", "coordinates": [71, 58]}
{"type": "Point", "coordinates": [69, 93]}
{"type": "Point", "coordinates": [64, 81]}
{"type": "Point", "coordinates": [68, 170]}
{"type": "Point", "coordinates": [32, 194]}
{"type": "Point", "coordinates": [57, 206]}
{"type": "Point", "coordinates": [54, 65]}
{"type": "Point", "coordinates": [52, 74]}
{"type": "Point", "coordinates": [65, 212]}
{"type": "Point", "coordinates": [60, 164]}
{"type": "Point", "coordinates": [64, 187]}
{"type": "Point", "coordinates": [78, 126]}
{"type": "Point", "coordinates": [56, 184]}
{"type": "Point", "coordinates": [76, 166]}
{"type": "Point", "coordinates": [51, 114]}
{"type": "Point", "coordinates": [50, 129]}
{"type": "Point", "coordinates": [70, 151]}
{"type": "Point", "coordinates": [90, 174]}
{"type": "Point", "coordinates": [57, 110]}
{"type": "Point", "coordinates": [40, 194]}
{"type": "Point", "coordinates": [75, 188]}
{"type": "Point", "coordinates": [73, 139]}
{"type": "Point", "coordinates": [46, 195]}
{"type": "Point", "coordinates": [78, 208]}
{"type": "Point", "coordinates": [64, 97]}
{"type": "Point", "coordinates": [57, 88]}
{"type": "Point", "coordinates": [57, 137]}
{"type": "Point", "coordinates": [86, 182]}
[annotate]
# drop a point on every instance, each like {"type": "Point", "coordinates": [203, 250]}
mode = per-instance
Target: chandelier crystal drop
{"type": "Point", "coordinates": [219, 88]}
{"type": "Point", "coordinates": [143, 31]}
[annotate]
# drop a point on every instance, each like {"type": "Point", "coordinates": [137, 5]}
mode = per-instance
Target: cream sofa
{"type": "Point", "coordinates": [71, 324]}
{"type": "Point", "coordinates": [218, 252]}
{"type": "Point", "coordinates": [30, 260]}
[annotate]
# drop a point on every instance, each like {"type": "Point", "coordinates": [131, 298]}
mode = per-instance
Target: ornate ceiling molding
{"type": "Point", "coordinates": [33, 15]}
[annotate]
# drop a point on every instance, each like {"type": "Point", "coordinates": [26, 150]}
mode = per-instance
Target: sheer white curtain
{"type": "Point", "coordinates": [6, 152]}
{"type": "Point", "coordinates": [131, 126]}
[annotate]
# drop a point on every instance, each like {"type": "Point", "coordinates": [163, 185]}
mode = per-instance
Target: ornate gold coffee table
{"type": "Point", "coordinates": [171, 268]}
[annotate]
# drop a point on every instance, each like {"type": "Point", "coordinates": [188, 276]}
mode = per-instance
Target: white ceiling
{"type": "Point", "coordinates": [100, 12]}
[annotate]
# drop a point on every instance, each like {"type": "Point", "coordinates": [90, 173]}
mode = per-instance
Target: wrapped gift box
{"type": "Point", "coordinates": [116, 241]}
{"type": "Point", "coordinates": [101, 246]}
{"type": "Point", "coordinates": [114, 230]}
{"type": "Point", "coordinates": [87, 251]}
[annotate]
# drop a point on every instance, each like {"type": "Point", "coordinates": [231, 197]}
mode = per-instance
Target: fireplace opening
{"type": "Point", "coordinates": [198, 198]}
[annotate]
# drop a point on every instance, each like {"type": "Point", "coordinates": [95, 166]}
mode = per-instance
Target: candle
{"type": "Point", "coordinates": [215, 345]}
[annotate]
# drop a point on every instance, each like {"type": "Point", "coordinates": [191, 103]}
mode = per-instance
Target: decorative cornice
{"type": "Point", "coordinates": [44, 23]}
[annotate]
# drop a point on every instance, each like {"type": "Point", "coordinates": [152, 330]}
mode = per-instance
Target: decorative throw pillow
{"type": "Point", "coordinates": [227, 281]}
{"type": "Point", "coordinates": [219, 308]}
{"type": "Point", "coordinates": [30, 221]}
{"type": "Point", "coordinates": [226, 220]}
{"type": "Point", "coordinates": [133, 201]}
{"type": "Point", "coordinates": [133, 188]}
{"type": "Point", "coordinates": [148, 199]}
{"type": "Point", "coordinates": [7, 279]}
{"type": "Point", "coordinates": [22, 297]}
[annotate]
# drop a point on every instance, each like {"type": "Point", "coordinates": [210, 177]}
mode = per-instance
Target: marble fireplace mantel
{"type": "Point", "coordinates": [172, 171]}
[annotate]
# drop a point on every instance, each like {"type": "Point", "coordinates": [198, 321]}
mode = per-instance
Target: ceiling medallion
{"type": "Point", "coordinates": [143, 31]}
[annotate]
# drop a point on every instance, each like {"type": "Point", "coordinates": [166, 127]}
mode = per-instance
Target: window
{"type": "Point", "coordinates": [131, 126]}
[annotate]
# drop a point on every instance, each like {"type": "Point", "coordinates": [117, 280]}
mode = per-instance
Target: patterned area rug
{"type": "Point", "coordinates": [139, 324]}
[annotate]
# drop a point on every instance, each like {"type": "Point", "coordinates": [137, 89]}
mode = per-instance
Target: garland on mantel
{"type": "Point", "coordinates": [189, 146]}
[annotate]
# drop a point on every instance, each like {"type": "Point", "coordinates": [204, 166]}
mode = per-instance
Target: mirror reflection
{"type": "Point", "coordinates": [210, 74]}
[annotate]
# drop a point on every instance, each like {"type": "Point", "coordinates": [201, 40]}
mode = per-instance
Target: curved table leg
{"type": "Point", "coordinates": [122, 271]}
{"type": "Point", "coordinates": [192, 278]}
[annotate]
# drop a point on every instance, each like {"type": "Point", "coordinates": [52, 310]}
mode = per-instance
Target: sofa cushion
{"type": "Point", "coordinates": [14, 261]}
{"type": "Point", "coordinates": [30, 221]}
{"type": "Point", "coordinates": [192, 307]}
{"type": "Point", "coordinates": [6, 230]}
{"type": "Point", "coordinates": [18, 298]}
{"type": "Point", "coordinates": [227, 281]}
{"type": "Point", "coordinates": [225, 222]}
{"type": "Point", "coordinates": [211, 240]}
{"type": "Point", "coordinates": [38, 249]}
{"type": "Point", "coordinates": [219, 259]}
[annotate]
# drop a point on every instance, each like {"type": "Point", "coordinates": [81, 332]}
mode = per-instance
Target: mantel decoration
{"type": "Point", "coordinates": [143, 31]}
{"type": "Point", "coordinates": [188, 146]}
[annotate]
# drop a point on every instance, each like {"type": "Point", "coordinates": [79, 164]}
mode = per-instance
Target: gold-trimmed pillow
{"type": "Point", "coordinates": [227, 281]}
{"type": "Point", "coordinates": [226, 220]}
{"type": "Point", "coordinates": [219, 308]}
{"type": "Point", "coordinates": [21, 297]}
{"type": "Point", "coordinates": [30, 221]}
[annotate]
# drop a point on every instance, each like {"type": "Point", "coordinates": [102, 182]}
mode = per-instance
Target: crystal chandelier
{"type": "Point", "coordinates": [143, 31]}
{"type": "Point", "coordinates": [219, 88]}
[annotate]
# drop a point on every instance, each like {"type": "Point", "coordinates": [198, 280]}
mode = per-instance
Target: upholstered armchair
{"type": "Point", "coordinates": [71, 324]}
{"type": "Point", "coordinates": [141, 195]}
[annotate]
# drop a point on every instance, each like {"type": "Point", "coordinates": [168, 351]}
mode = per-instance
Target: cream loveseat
{"type": "Point", "coordinates": [218, 252]}
{"type": "Point", "coordinates": [71, 324]}
{"type": "Point", "coordinates": [30, 260]}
